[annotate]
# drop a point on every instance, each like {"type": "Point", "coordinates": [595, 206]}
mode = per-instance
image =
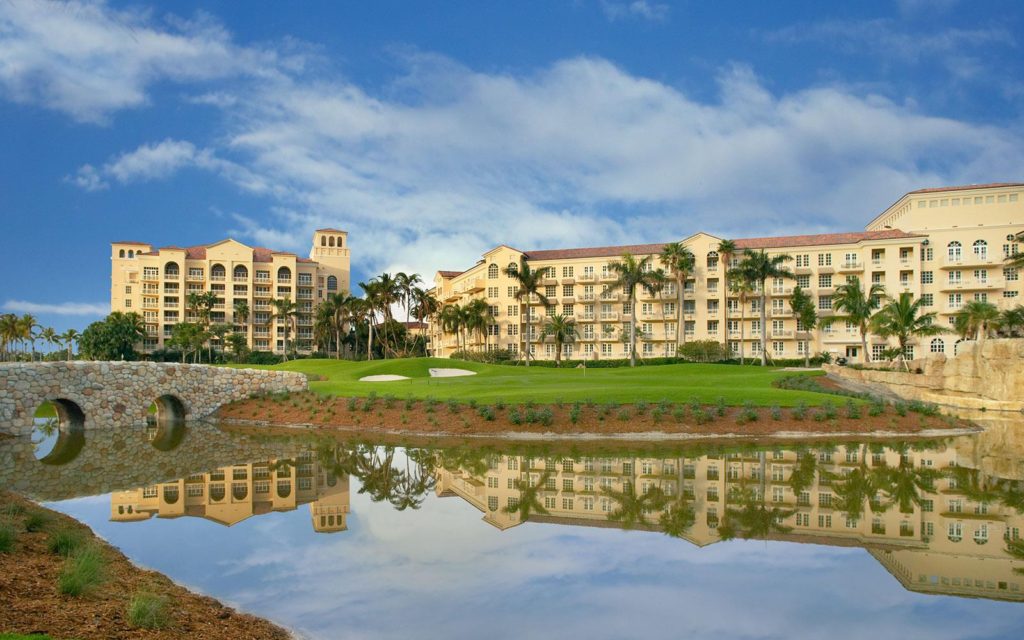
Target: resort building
{"type": "Point", "coordinates": [944, 245]}
{"type": "Point", "coordinates": [156, 283]}
{"type": "Point", "coordinates": [231, 494]}
{"type": "Point", "coordinates": [950, 539]}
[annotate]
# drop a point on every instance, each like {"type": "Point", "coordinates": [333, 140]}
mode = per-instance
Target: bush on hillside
{"type": "Point", "coordinates": [703, 351]}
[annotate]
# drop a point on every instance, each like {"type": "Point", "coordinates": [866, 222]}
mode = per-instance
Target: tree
{"type": "Point", "coordinates": [407, 284]}
{"type": "Point", "coordinates": [1012, 320]}
{"type": "Point", "coordinates": [977, 320]}
{"type": "Point", "coordinates": [679, 261]}
{"type": "Point", "coordinates": [453, 320]}
{"type": "Point", "coordinates": [902, 319]}
{"type": "Point", "coordinates": [529, 500]}
{"type": "Point", "coordinates": [27, 325]}
{"type": "Point", "coordinates": [49, 336]}
{"type": "Point", "coordinates": [239, 345]}
{"type": "Point", "coordinates": [220, 331]}
{"type": "Point", "coordinates": [69, 338]}
{"type": "Point", "coordinates": [286, 311]}
{"type": "Point", "coordinates": [188, 337]}
{"type": "Point", "coordinates": [1016, 260]}
{"type": "Point", "coordinates": [340, 305]}
{"type": "Point", "coordinates": [740, 285]}
{"type": "Point", "coordinates": [241, 309]}
{"type": "Point", "coordinates": [9, 331]}
{"type": "Point", "coordinates": [529, 284]}
{"type": "Point", "coordinates": [425, 306]}
{"type": "Point", "coordinates": [563, 330]}
{"type": "Point", "coordinates": [113, 338]}
{"type": "Point", "coordinates": [382, 292]}
{"type": "Point", "coordinates": [633, 273]}
{"type": "Point", "coordinates": [806, 313]}
{"type": "Point", "coordinates": [856, 307]}
{"type": "Point", "coordinates": [476, 317]}
{"type": "Point", "coordinates": [757, 267]}
{"type": "Point", "coordinates": [632, 506]}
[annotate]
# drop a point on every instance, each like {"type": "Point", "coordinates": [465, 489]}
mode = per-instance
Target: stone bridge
{"type": "Point", "coordinates": [119, 394]}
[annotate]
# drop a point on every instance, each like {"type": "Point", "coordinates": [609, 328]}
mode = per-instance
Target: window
{"type": "Point", "coordinates": [803, 260]}
{"type": "Point", "coordinates": [956, 276]}
{"type": "Point", "coordinates": [825, 281]}
{"type": "Point", "coordinates": [938, 346]}
{"type": "Point", "coordinates": [954, 251]}
{"type": "Point", "coordinates": [876, 352]}
{"type": "Point", "coordinates": [1011, 274]}
{"type": "Point", "coordinates": [1009, 294]}
{"type": "Point", "coordinates": [927, 300]}
{"type": "Point", "coordinates": [824, 259]}
{"type": "Point", "coordinates": [332, 283]}
{"type": "Point", "coordinates": [824, 303]}
{"type": "Point", "coordinates": [804, 282]}
{"type": "Point", "coordinates": [492, 271]}
{"type": "Point", "coordinates": [927, 277]}
{"type": "Point", "coordinates": [567, 272]}
{"type": "Point", "coordinates": [567, 291]}
{"type": "Point", "coordinates": [956, 300]}
{"type": "Point", "coordinates": [550, 291]}
{"type": "Point", "coordinates": [980, 248]}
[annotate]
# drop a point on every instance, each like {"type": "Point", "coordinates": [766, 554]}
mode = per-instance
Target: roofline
{"type": "Point", "coordinates": [143, 244]}
{"type": "Point", "coordinates": [927, 190]}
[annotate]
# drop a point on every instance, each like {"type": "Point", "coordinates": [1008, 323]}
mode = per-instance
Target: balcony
{"type": "Point", "coordinates": [195, 277]}
{"type": "Point", "coordinates": [264, 278]}
{"type": "Point", "coordinates": [782, 291]}
{"type": "Point", "coordinates": [827, 268]}
{"type": "Point", "coordinates": [970, 284]}
{"type": "Point", "coordinates": [781, 313]}
{"type": "Point", "coordinates": [284, 280]}
{"type": "Point", "coordinates": [529, 318]}
{"type": "Point", "coordinates": [610, 297]}
{"type": "Point", "coordinates": [240, 279]}
{"type": "Point", "coordinates": [802, 271]}
{"type": "Point", "coordinates": [609, 316]}
{"type": "Point", "coordinates": [608, 337]}
{"type": "Point", "coordinates": [218, 277]}
{"type": "Point", "coordinates": [713, 312]}
{"type": "Point", "coordinates": [475, 286]}
{"type": "Point", "coordinates": [851, 267]}
{"type": "Point", "coordinates": [586, 297]}
{"type": "Point", "coordinates": [151, 276]}
{"type": "Point", "coordinates": [588, 277]}
{"type": "Point", "coordinates": [568, 280]}
{"type": "Point", "coordinates": [548, 282]}
{"type": "Point", "coordinates": [586, 317]}
{"type": "Point", "coordinates": [969, 260]}
{"type": "Point", "coordinates": [170, 305]}
{"type": "Point", "coordinates": [782, 333]}
{"type": "Point", "coordinates": [609, 277]}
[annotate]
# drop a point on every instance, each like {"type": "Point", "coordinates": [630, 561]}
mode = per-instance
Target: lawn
{"type": "Point", "coordinates": [675, 383]}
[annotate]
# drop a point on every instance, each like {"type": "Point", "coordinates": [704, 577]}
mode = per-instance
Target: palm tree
{"type": "Point", "coordinates": [633, 273]}
{"type": "Point", "coordinates": [529, 498]}
{"type": "Point", "coordinates": [529, 285]}
{"type": "Point", "coordinates": [453, 320]}
{"type": "Point", "coordinates": [285, 310]}
{"type": "Point", "coordinates": [902, 318]}
{"type": "Point", "coordinates": [1012, 320]}
{"type": "Point", "coordinates": [904, 483]}
{"type": "Point", "coordinates": [679, 261]}
{"type": "Point", "coordinates": [806, 313]}
{"type": "Point", "coordinates": [340, 307]}
{"type": "Point", "coordinates": [27, 325]}
{"type": "Point", "coordinates": [758, 267]}
{"type": "Point", "coordinates": [407, 286]}
{"type": "Point", "coordinates": [359, 312]}
{"type": "Point", "coordinates": [241, 309]}
{"type": "Point", "coordinates": [425, 306]}
{"type": "Point", "coordinates": [387, 292]}
{"type": "Point", "coordinates": [856, 307]}
{"type": "Point", "coordinates": [69, 338]}
{"type": "Point", "coordinates": [8, 334]}
{"type": "Point", "coordinates": [726, 249]}
{"type": "Point", "coordinates": [740, 285]}
{"type": "Point", "coordinates": [220, 331]}
{"type": "Point", "coordinates": [632, 506]}
{"type": "Point", "coordinates": [977, 320]}
{"type": "Point", "coordinates": [49, 336]}
{"type": "Point", "coordinates": [477, 316]}
{"type": "Point", "coordinates": [563, 330]}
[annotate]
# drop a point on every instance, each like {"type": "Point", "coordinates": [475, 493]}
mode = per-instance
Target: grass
{"type": "Point", "coordinates": [19, 636]}
{"type": "Point", "coordinates": [8, 536]}
{"type": "Point", "coordinates": [148, 611]}
{"type": "Point", "coordinates": [707, 383]}
{"type": "Point", "coordinates": [83, 571]}
{"type": "Point", "coordinates": [65, 542]}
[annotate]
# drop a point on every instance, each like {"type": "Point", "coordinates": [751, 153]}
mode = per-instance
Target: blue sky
{"type": "Point", "coordinates": [433, 131]}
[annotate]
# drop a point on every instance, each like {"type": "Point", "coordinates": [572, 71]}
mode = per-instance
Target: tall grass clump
{"type": "Point", "coordinates": [36, 521]}
{"type": "Point", "coordinates": [8, 536]}
{"type": "Point", "coordinates": [65, 542]}
{"type": "Point", "coordinates": [148, 611]}
{"type": "Point", "coordinates": [83, 571]}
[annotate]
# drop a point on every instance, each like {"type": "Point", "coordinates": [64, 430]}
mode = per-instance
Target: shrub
{"type": "Point", "coordinates": [500, 405]}
{"type": "Point", "coordinates": [546, 416]}
{"type": "Point", "coordinates": [487, 413]}
{"type": "Point", "coordinates": [83, 571]}
{"type": "Point", "coordinates": [65, 542]}
{"type": "Point", "coordinates": [472, 403]}
{"type": "Point", "coordinates": [852, 410]}
{"type": "Point", "coordinates": [453, 406]}
{"type": "Point", "coordinates": [8, 536]}
{"type": "Point", "coordinates": [720, 406]}
{"type": "Point", "coordinates": [700, 416]}
{"type": "Point", "coordinates": [409, 404]}
{"type": "Point", "coordinates": [799, 411]}
{"type": "Point", "coordinates": [657, 414]}
{"type": "Point", "coordinates": [703, 351]}
{"type": "Point", "coordinates": [351, 404]}
{"type": "Point", "coordinates": [876, 408]}
{"type": "Point", "coordinates": [574, 413]}
{"type": "Point", "coordinates": [514, 416]}
{"type": "Point", "coordinates": [148, 611]}
{"type": "Point", "coordinates": [389, 401]}
{"type": "Point", "coordinates": [641, 407]}
{"type": "Point", "coordinates": [36, 521]}
{"type": "Point", "coordinates": [747, 414]}
{"type": "Point", "coordinates": [901, 409]}
{"type": "Point", "coordinates": [12, 510]}
{"type": "Point", "coordinates": [776, 413]}
{"type": "Point", "coordinates": [829, 411]}
{"type": "Point", "coordinates": [624, 414]}
{"type": "Point", "coordinates": [679, 414]}
{"type": "Point", "coordinates": [924, 408]}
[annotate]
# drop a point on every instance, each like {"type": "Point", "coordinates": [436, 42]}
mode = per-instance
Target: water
{"type": "Point", "coordinates": [339, 539]}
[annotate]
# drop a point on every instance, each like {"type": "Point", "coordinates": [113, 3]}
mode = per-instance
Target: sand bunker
{"type": "Point", "coordinates": [450, 373]}
{"type": "Point", "coordinates": [387, 377]}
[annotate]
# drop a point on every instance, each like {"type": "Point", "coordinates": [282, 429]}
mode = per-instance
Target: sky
{"type": "Point", "coordinates": [432, 132]}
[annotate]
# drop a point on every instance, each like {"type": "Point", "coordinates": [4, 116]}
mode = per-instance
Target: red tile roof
{"type": "Point", "coordinates": [198, 252]}
{"type": "Point", "coordinates": [449, 274]}
{"type": "Point", "coordinates": [742, 243]}
{"type": "Point", "coordinates": [969, 187]}
{"type": "Point", "coordinates": [330, 231]}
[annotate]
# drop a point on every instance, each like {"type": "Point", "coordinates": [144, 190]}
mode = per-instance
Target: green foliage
{"type": "Point", "coordinates": [453, 405]}
{"type": "Point", "coordinates": [148, 611]}
{"type": "Point", "coordinates": [36, 521]}
{"type": "Point", "coordinates": [876, 408]}
{"type": "Point", "coordinates": [515, 416]}
{"type": "Point", "coordinates": [799, 411]}
{"type": "Point", "coordinates": [658, 414]}
{"type": "Point", "coordinates": [776, 413]}
{"type": "Point", "coordinates": [853, 411]}
{"type": "Point", "coordinates": [65, 541]}
{"type": "Point", "coordinates": [700, 416]}
{"type": "Point", "coordinates": [679, 414]}
{"type": "Point", "coordinates": [83, 571]}
{"type": "Point", "coordinates": [747, 414]}
{"type": "Point", "coordinates": [487, 413]}
{"type": "Point", "coordinates": [8, 536]}
{"type": "Point", "coordinates": [641, 407]}
{"type": "Point", "coordinates": [901, 409]}
{"type": "Point", "coordinates": [574, 413]}
{"type": "Point", "coordinates": [703, 351]}
{"type": "Point", "coordinates": [720, 406]}
{"type": "Point", "coordinates": [352, 404]}
{"type": "Point", "coordinates": [624, 414]}
{"type": "Point", "coordinates": [113, 338]}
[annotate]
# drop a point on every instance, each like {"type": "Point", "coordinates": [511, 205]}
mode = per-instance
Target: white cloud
{"type": "Point", "coordinates": [643, 9]}
{"type": "Point", "coordinates": [88, 178]}
{"type": "Point", "coordinates": [59, 308]}
{"type": "Point", "coordinates": [444, 162]}
{"type": "Point", "coordinates": [88, 59]}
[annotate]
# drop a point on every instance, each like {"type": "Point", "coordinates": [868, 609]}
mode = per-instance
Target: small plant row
{"type": "Point", "coordinates": [85, 563]}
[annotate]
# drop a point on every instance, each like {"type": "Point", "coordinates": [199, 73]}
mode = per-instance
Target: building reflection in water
{"type": "Point", "coordinates": [933, 520]}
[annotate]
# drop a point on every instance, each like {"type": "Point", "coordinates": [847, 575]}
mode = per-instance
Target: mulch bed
{"type": "Point", "coordinates": [311, 410]}
{"type": "Point", "coordinates": [31, 603]}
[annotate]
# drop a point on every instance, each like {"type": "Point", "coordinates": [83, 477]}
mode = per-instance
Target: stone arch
{"type": "Point", "coordinates": [284, 488]}
{"type": "Point", "coordinates": [712, 259]}
{"type": "Point", "coordinates": [170, 410]}
{"type": "Point", "coordinates": [171, 494]}
{"type": "Point", "coordinates": [938, 345]}
{"type": "Point", "coordinates": [323, 241]}
{"type": "Point", "coordinates": [71, 432]}
{"type": "Point", "coordinates": [239, 490]}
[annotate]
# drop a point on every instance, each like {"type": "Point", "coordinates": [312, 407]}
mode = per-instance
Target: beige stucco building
{"type": "Point", "coordinates": [231, 494]}
{"type": "Point", "coordinates": [945, 245]}
{"type": "Point", "coordinates": [949, 542]}
{"type": "Point", "coordinates": [156, 282]}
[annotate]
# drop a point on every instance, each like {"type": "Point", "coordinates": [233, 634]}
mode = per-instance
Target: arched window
{"type": "Point", "coordinates": [512, 268]}
{"type": "Point", "coordinates": [953, 249]}
{"type": "Point", "coordinates": [121, 254]}
{"type": "Point", "coordinates": [956, 347]}
{"type": "Point", "coordinates": [131, 253]}
{"type": "Point", "coordinates": [323, 241]}
{"type": "Point", "coordinates": [171, 270]}
{"type": "Point", "coordinates": [980, 249]}
{"type": "Point", "coordinates": [284, 274]}
{"type": "Point", "coordinates": [332, 283]}
{"type": "Point", "coordinates": [492, 271]}
{"type": "Point", "coordinates": [240, 272]}
{"type": "Point", "coordinates": [218, 272]}
{"type": "Point", "coordinates": [170, 495]}
{"type": "Point", "coordinates": [712, 258]}
{"type": "Point", "coordinates": [339, 241]}
{"type": "Point", "coordinates": [330, 241]}
{"type": "Point", "coordinates": [938, 345]}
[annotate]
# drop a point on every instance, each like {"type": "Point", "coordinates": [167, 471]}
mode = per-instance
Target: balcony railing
{"type": "Point", "coordinates": [217, 277]}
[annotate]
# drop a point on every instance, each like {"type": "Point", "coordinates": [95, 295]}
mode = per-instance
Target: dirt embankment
{"type": "Point", "coordinates": [598, 420]}
{"type": "Point", "coordinates": [31, 603]}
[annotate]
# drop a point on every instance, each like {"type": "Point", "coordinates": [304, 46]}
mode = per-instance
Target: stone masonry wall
{"type": "Point", "coordinates": [988, 376]}
{"type": "Point", "coordinates": [117, 394]}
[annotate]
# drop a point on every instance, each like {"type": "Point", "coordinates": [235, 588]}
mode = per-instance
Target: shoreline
{"type": "Point", "coordinates": [33, 604]}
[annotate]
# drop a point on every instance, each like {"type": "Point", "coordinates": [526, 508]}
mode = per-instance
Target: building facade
{"type": "Point", "coordinates": [944, 245]}
{"type": "Point", "coordinates": [156, 283]}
